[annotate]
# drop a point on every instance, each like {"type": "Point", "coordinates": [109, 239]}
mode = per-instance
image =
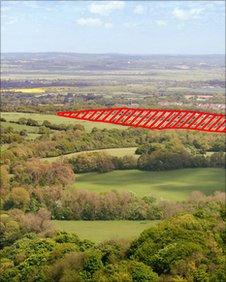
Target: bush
{"type": "Point", "coordinates": [39, 173]}
{"type": "Point", "coordinates": [19, 198]}
{"type": "Point", "coordinates": [89, 162]}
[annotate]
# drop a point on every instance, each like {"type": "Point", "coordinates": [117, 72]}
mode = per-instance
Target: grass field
{"type": "Point", "coordinates": [4, 147]}
{"type": "Point", "coordinates": [19, 127]}
{"type": "Point", "coordinates": [14, 116]}
{"type": "Point", "coordinates": [32, 131]}
{"type": "Point", "coordinates": [116, 152]}
{"type": "Point", "coordinates": [99, 230]}
{"type": "Point", "coordinates": [173, 185]}
{"type": "Point", "coordinates": [33, 136]}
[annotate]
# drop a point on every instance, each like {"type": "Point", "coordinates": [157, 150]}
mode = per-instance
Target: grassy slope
{"type": "Point", "coordinates": [167, 185]}
{"type": "Point", "coordinates": [57, 120]}
{"type": "Point", "coordinates": [31, 130]}
{"type": "Point", "coordinates": [116, 152]}
{"type": "Point", "coordinates": [19, 127]}
{"type": "Point", "coordinates": [104, 230]}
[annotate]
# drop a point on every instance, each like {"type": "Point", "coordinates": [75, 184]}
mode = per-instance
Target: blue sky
{"type": "Point", "coordinates": [133, 27]}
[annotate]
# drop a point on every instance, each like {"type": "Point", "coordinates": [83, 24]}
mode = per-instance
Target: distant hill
{"type": "Point", "coordinates": [98, 62]}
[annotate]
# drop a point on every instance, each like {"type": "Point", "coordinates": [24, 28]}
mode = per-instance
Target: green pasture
{"type": "Point", "coordinates": [100, 230]}
{"type": "Point", "coordinates": [19, 127]}
{"type": "Point", "coordinates": [33, 136]}
{"type": "Point", "coordinates": [14, 116]}
{"type": "Point", "coordinates": [116, 152]}
{"type": "Point", "coordinates": [174, 185]}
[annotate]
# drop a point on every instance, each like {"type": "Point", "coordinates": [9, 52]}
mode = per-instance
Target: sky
{"type": "Point", "coordinates": [128, 27]}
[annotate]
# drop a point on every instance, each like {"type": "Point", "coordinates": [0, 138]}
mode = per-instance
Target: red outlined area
{"type": "Point", "coordinates": [154, 119]}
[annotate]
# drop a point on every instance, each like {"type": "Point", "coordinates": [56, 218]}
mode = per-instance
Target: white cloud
{"type": "Point", "coordinates": [106, 7]}
{"type": "Point", "coordinates": [181, 26]}
{"type": "Point", "coordinates": [139, 9]}
{"type": "Point", "coordinates": [131, 24]}
{"type": "Point", "coordinates": [92, 22]}
{"type": "Point", "coordinates": [184, 15]}
{"type": "Point", "coordinates": [196, 11]}
{"type": "Point", "coordinates": [161, 23]}
{"type": "Point", "coordinates": [108, 25]}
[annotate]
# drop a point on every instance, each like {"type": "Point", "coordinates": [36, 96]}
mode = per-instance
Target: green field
{"type": "Point", "coordinates": [33, 136]}
{"type": "Point", "coordinates": [4, 147]}
{"type": "Point", "coordinates": [116, 152]}
{"type": "Point", "coordinates": [32, 131]}
{"type": "Point", "coordinates": [14, 116]}
{"type": "Point", "coordinates": [99, 230]}
{"type": "Point", "coordinates": [164, 185]}
{"type": "Point", "coordinates": [19, 127]}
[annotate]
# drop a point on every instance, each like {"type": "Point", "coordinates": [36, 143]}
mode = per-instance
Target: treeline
{"type": "Point", "coordinates": [175, 156]}
{"type": "Point", "coordinates": [72, 204]}
{"type": "Point", "coordinates": [73, 140]}
{"type": "Point", "coordinates": [186, 247]}
{"type": "Point", "coordinates": [101, 162]}
{"type": "Point", "coordinates": [9, 135]}
{"type": "Point", "coordinates": [48, 124]}
{"type": "Point", "coordinates": [155, 161]}
{"type": "Point", "coordinates": [69, 139]}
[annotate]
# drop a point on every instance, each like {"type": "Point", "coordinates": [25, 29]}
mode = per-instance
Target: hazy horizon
{"type": "Point", "coordinates": [111, 53]}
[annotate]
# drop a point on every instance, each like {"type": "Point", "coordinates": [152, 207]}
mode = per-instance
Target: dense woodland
{"type": "Point", "coordinates": [186, 247]}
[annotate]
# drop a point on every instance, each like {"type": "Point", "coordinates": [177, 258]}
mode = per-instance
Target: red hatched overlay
{"type": "Point", "coordinates": [154, 119]}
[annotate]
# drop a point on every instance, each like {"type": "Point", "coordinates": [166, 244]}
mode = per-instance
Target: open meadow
{"type": "Point", "coordinates": [100, 230]}
{"type": "Point", "coordinates": [115, 152]}
{"type": "Point", "coordinates": [19, 127]}
{"type": "Point", "coordinates": [174, 185]}
{"type": "Point", "coordinates": [15, 116]}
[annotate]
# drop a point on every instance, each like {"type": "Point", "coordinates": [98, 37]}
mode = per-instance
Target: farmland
{"type": "Point", "coordinates": [144, 82]}
{"type": "Point", "coordinates": [28, 90]}
{"type": "Point", "coordinates": [172, 185]}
